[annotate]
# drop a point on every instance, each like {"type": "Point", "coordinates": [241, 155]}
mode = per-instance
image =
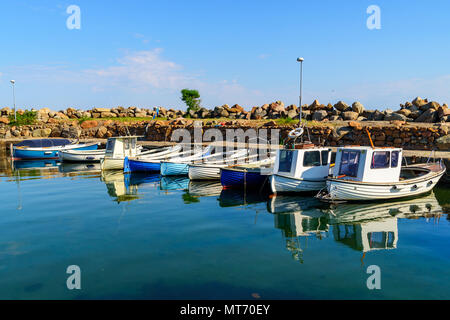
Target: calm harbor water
{"type": "Point", "coordinates": [146, 237]}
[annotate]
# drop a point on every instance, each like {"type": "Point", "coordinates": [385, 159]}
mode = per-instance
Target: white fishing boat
{"type": "Point", "coordinates": [81, 155]}
{"type": "Point", "coordinates": [117, 148]}
{"type": "Point", "coordinates": [303, 169]}
{"type": "Point", "coordinates": [369, 173]}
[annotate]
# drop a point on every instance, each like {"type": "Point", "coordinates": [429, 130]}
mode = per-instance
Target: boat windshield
{"type": "Point", "coordinates": [285, 162]}
{"type": "Point", "coordinates": [311, 159]}
{"type": "Point", "coordinates": [380, 160]}
{"type": "Point", "coordinates": [110, 146]}
{"type": "Point", "coordinates": [349, 163]}
{"type": "Point", "coordinates": [394, 159]}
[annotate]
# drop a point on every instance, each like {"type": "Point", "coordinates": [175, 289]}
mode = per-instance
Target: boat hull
{"type": "Point", "coordinates": [354, 191]}
{"type": "Point", "coordinates": [200, 172]}
{"type": "Point", "coordinates": [242, 179]}
{"type": "Point", "coordinates": [282, 184]}
{"type": "Point", "coordinates": [174, 169]}
{"type": "Point", "coordinates": [131, 165]}
{"type": "Point", "coordinates": [112, 164]}
{"type": "Point", "coordinates": [85, 156]}
{"type": "Point", "coordinates": [47, 153]}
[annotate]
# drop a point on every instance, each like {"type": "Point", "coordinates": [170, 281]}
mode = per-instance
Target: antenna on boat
{"type": "Point", "coordinates": [300, 59]}
{"type": "Point", "coordinates": [370, 139]}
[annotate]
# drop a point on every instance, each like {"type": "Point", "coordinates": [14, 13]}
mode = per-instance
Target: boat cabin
{"type": "Point", "coordinates": [305, 163]}
{"type": "Point", "coordinates": [368, 164]}
{"type": "Point", "coordinates": [121, 147]}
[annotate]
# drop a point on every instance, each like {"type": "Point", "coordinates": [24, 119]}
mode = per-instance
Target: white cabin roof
{"type": "Point", "coordinates": [367, 164]}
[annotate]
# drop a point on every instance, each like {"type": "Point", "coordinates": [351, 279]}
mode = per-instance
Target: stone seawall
{"type": "Point", "coordinates": [395, 133]}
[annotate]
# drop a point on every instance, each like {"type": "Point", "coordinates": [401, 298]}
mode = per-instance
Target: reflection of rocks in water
{"type": "Point", "coordinates": [236, 197]}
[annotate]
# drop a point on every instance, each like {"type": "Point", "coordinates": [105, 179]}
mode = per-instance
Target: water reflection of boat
{"type": "Point", "coordinates": [141, 178]}
{"type": "Point", "coordinates": [35, 164]}
{"type": "Point", "coordinates": [238, 197]}
{"type": "Point", "coordinates": [297, 217]}
{"type": "Point", "coordinates": [354, 212]}
{"type": "Point", "coordinates": [204, 188]}
{"type": "Point", "coordinates": [118, 187]}
{"type": "Point", "coordinates": [368, 227]}
{"type": "Point", "coordinates": [174, 183]}
{"type": "Point", "coordinates": [369, 235]}
{"type": "Point", "coordinates": [67, 167]}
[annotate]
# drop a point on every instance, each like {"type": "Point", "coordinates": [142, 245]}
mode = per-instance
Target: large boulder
{"type": "Point", "coordinates": [89, 124]}
{"type": "Point", "coordinates": [341, 106]}
{"type": "Point", "coordinates": [404, 111]}
{"type": "Point", "coordinates": [430, 105]}
{"type": "Point", "coordinates": [100, 110]}
{"type": "Point", "coordinates": [277, 106]}
{"type": "Point", "coordinates": [428, 116]}
{"type": "Point", "coordinates": [394, 116]}
{"type": "Point", "coordinates": [357, 107]}
{"type": "Point", "coordinates": [4, 120]}
{"type": "Point", "coordinates": [292, 114]}
{"type": "Point", "coordinates": [418, 102]}
{"type": "Point", "coordinates": [319, 115]}
{"type": "Point", "coordinates": [443, 143]}
{"type": "Point", "coordinates": [350, 115]}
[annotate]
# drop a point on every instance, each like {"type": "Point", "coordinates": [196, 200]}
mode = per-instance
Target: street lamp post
{"type": "Point", "coordinates": [13, 82]}
{"type": "Point", "coordinates": [300, 59]}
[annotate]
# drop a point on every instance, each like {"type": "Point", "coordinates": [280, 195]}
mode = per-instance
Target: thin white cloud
{"type": "Point", "coordinates": [141, 70]}
{"type": "Point", "coordinates": [147, 73]}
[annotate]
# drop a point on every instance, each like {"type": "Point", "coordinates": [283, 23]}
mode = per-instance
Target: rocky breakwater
{"type": "Point", "coordinates": [418, 110]}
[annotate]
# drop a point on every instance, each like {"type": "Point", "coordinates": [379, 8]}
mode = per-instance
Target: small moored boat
{"type": "Point", "coordinates": [46, 148]}
{"type": "Point", "coordinates": [302, 169]}
{"type": "Point", "coordinates": [118, 148]}
{"type": "Point", "coordinates": [245, 177]}
{"type": "Point", "coordinates": [369, 173]}
{"type": "Point", "coordinates": [81, 155]}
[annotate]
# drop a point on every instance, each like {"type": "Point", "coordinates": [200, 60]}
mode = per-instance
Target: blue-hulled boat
{"type": "Point", "coordinates": [141, 165]}
{"type": "Point", "coordinates": [174, 169]}
{"type": "Point", "coordinates": [243, 178]}
{"type": "Point", "coordinates": [46, 148]}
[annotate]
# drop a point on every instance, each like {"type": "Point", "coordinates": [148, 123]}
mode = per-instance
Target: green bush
{"type": "Point", "coordinates": [27, 118]}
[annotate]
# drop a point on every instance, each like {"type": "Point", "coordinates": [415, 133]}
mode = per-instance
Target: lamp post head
{"type": "Point", "coordinates": [13, 81]}
{"type": "Point", "coordinates": [300, 59]}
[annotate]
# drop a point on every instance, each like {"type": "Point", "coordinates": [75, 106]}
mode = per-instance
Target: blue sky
{"type": "Point", "coordinates": [143, 53]}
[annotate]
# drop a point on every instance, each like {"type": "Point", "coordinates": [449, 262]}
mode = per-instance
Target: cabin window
{"type": "Point", "coordinates": [349, 163]}
{"type": "Point", "coordinates": [110, 145]}
{"type": "Point", "coordinates": [333, 157]}
{"type": "Point", "coordinates": [380, 160]}
{"type": "Point", "coordinates": [394, 159]}
{"type": "Point", "coordinates": [325, 157]}
{"type": "Point", "coordinates": [126, 144]}
{"type": "Point", "coordinates": [285, 162]}
{"type": "Point", "coordinates": [133, 144]}
{"type": "Point", "coordinates": [311, 159]}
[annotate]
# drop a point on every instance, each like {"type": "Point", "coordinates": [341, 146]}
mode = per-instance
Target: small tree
{"type": "Point", "coordinates": [191, 98]}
